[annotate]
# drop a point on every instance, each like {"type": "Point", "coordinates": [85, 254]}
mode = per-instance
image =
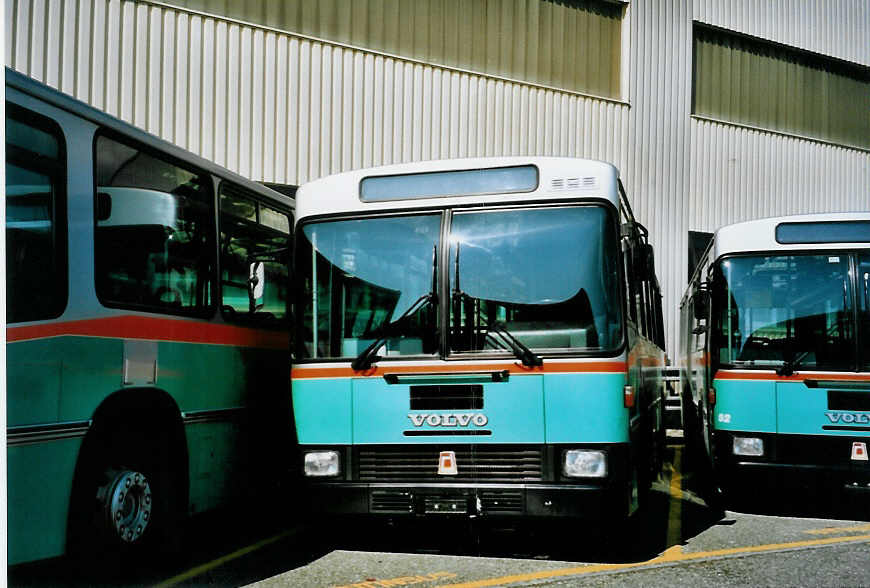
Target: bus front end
{"type": "Point", "coordinates": [464, 361]}
{"type": "Point", "coordinates": [790, 398]}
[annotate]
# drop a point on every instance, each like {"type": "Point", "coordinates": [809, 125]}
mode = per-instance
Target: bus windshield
{"type": "Point", "coordinates": [547, 276]}
{"type": "Point", "coordinates": [796, 309]}
{"type": "Point", "coordinates": [359, 276]}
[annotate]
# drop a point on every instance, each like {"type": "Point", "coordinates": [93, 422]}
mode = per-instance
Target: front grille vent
{"type": "Point", "coordinates": [501, 501]}
{"type": "Point", "coordinates": [479, 463]}
{"type": "Point", "coordinates": [391, 501]}
{"type": "Point", "coordinates": [463, 397]}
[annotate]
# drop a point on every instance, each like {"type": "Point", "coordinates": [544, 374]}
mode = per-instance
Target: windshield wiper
{"type": "Point", "coordinates": [789, 365]}
{"type": "Point", "coordinates": [499, 333]}
{"type": "Point", "coordinates": [367, 357]}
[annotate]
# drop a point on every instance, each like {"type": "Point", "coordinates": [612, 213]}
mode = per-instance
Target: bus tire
{"type": "Point", "coordinates": [127, 511]}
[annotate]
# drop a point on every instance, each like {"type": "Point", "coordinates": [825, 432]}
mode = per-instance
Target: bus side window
{"type": "Point", "coordinates": [252, 233]}
{"type": "Point", "coordinates": [153, 232]}
{"type": "Point", "coordinates": [36, 276]}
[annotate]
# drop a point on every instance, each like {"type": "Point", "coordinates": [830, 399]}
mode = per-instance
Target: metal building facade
{"type": "Point", "coordinates": [282, 107]}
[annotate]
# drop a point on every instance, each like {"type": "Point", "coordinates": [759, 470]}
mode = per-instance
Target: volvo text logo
{"type": "Point", "coordinates": [848, 418]}
{"type": "Point", "coordinates": [449, 419]}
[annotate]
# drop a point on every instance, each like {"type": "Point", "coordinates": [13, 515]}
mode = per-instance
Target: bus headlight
{"type": "Point", "coordinates": [585, 463]}
{"type": "Point", "coordinates": [750, 446]}
{"type": "Point", "coordinates": [321, 463]}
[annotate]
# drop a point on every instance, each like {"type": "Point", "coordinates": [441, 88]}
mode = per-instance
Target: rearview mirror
{"type": "Point", "coordinates": [644, 262]}
{"type": "Point", "coordinates": [700, 305]}
{"type": "Point", "coordinates": [256, 283]}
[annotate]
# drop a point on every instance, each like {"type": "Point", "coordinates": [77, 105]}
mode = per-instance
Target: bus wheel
{"type": "Point", "coordinates": [126, 505]}
{"type": "Point", "coordinates": [126, 511]}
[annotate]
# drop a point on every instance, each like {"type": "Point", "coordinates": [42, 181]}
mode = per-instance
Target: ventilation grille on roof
{"type": "Point", "coordinates": [573, 183]}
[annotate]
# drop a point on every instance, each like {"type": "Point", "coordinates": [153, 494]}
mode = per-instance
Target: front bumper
{"type": "Point", "coordinates": [491, 480]}
{"type": "Point", "coordinates": [813, 464]}
{"type": "Point", "coordinates": [545, 500]}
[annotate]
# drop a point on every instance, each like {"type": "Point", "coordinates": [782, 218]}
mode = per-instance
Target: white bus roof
{"type": "Point", "coordinates": [559, 178]}
{"type": "Point", "coordinates": [761, 234]}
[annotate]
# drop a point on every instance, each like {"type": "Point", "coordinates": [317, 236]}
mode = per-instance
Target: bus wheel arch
{"type": "Point", "coordinates": [131, 484]}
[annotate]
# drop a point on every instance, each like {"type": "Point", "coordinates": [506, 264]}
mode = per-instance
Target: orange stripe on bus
{"type": "Point", "coordinates": [828, 377]}
{"type": "Point", "coordinates": [378, 371]}
{"type": "Point", "coordinates": [154, 329]}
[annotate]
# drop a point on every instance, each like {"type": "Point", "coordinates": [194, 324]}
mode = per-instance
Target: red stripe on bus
{"type": "Point", "coordinates": [615, 367]}
{"type": "Point", "coordinates": [155, 329]}
{"type": "Point", "coordinates": [723, 375]}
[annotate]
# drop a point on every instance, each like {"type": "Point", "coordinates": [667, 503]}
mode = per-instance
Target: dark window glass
{"type": "Point", "coordinates": [254, 246]}
{"type": "Point", "coordinates": [795, 308]}
{"type": "Point", "coordinates": [36, 277]}
{"type": "Point", "coordinates": [358, 276]}
{"type": "Point", "coordinates": [154, 231]}
{"type": "Point", "coordinates": [864, 308]}
{"type": "Point", "coordinates": [548, 276]}
{"type": "Point", "coordinates": [698, 242]}
{"type": "Point", "coordinates": [502, 180]}
{"type": "Point", "coordinates": [824, 232]}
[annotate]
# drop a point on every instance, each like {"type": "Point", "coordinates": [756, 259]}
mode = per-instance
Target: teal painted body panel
{"type": "Point", "coordinates": [587, 408]}
{"type": "Point", "coordinates": [744, 405]}
{"type": "Point", "coordinates": [182, 367]}
{"type": "Point", "coordinates": [66, 378]}
{"type": "Point", "coordinates": [60, 379]}
{"type": "Point", "coordinates": [802, 410]}
{"type": "Point", "coordinates": [514, 410]}
{"type": "Point", "coordinates": [323, 409]}
{"type": "Point", "coordinates": [39, 481]}
{"type": "Point", "coordinates": [63, 379]}
{"type": "Point", "coordinates": [552, 408]}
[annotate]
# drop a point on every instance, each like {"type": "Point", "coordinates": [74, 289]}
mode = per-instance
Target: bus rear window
{"type": "Point", "coordinates": [824, 232]}
{"type": "Point", "coordinates": [501, 180]}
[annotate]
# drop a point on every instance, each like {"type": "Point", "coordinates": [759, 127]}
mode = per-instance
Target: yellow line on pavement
{"type": "Point", "coordinates": [201, 569]}
{"type": "Point", "coordinates": [675, 511]}
{"type": "Point", "coordinates": [669, 557]}
{"type": "Point", "coordinates": [835, 530]}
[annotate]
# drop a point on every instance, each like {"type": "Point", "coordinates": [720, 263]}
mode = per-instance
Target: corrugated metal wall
{"type": "Point", "coordinates": [745, 80]}
{"type": "Point", "coordinates": [741, 173]}
{"type": "Point", "coordinates": [838, 28]}
{"type": "Point", "coordinates": [282, 108]}
{"type": "Point", "coordinates": [571, 45]}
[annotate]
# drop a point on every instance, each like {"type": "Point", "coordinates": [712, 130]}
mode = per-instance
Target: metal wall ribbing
{"type": "Point", "coordinates": [838, 28]}
{"type": "Point", "coordinates": [657, 169]}
{"type": "Point", "coordinates": [739, 173]}
{"type": "Point", "coordinates": [284, 108]}
{"type": "Point", "coordinates": [562, 44]}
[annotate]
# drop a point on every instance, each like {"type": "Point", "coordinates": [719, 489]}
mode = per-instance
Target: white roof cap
{"type": "Point", "coordinates": [760, 235]}
{"type": "Point", "coordinates": [559, 178]}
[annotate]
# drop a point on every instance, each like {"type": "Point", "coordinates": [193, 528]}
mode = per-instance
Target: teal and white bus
{"type": "Point", "coordinates": [776, 357]}
{"type": "Point", "coordinates": [477, 337]}
{"type": "Point", "coordinates": [144, 372]}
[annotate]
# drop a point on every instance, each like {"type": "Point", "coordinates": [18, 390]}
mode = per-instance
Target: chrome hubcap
{"type": "Point", "coordinates": [126, 504]}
